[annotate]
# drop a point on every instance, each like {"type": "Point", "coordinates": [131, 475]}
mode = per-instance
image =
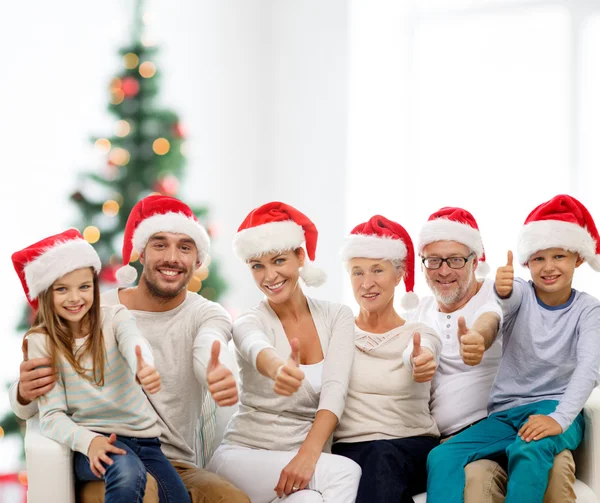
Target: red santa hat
{"type": "Point", "coordinates": [158, 213]}
{"type": "Point", "coordinates": [562, 222]}
{"type": "Point", "coordinates": [42, 263]}
{"type": "Point", "coordinates": [455, 224]}
{"type": "Point", "coordinates": [380, 238]}
{"type": "Point", "coordinates": [277, 227]}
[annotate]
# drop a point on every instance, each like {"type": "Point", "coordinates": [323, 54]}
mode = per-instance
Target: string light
{"type": "Point", "coordinates": [117, 97]}
{"type": "Point", "coordinates": [135, 256]}
{"type": "Point", "coordinates": [147, 69]}
{"type": "Point", "coordinates": [130, 60]}
{"type": "Point", "coordinates": [184, 148]}
{"type": "Point", "coordinates": [91, 234]}
{"type": "Point", "coordinates": [22, 476]}
{"type": "Point", "coordinates": [119, 156]}
{"type": "Point", "coordinates": [194, 285]}
{"type": "Point", "coordinates": [115, 84]}
{"type": "Point", "coordinates": [201, 273]}
{"type": "Point", "coordinates": [110, 208]}
{"type": "Point", "coordinates": [122, 128]}
{"type": "Point", "coordinates": [161, 146]}
{"type": "Point", "coordinates": [102, 145]}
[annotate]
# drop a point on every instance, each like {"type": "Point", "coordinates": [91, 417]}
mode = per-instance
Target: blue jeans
{"type": "Point", "coordinates": [529, 463]}
{"type": "Point", "coordinates": [393, 471]}
{"type": "Point", "coordinates": [125, 479]}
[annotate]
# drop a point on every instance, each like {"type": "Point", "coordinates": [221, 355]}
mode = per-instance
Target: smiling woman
{"type": "Point", "coordinates": [295, 355]}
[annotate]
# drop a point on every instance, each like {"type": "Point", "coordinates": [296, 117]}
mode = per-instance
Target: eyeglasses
{"type": "Point", "coordinates": [452, 262]}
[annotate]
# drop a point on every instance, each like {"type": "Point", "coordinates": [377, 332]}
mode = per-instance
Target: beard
{"type": "Point", "coordinates": [170, 291]}
{"type": "Point", "coordinates": [448, 298]}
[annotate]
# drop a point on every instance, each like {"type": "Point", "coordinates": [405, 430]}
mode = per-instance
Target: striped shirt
{"type": "Point", "coordinates": [76, 410]}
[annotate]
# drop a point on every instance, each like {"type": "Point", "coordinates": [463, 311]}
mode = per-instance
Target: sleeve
{"type": "Point", "coordinates": [250, 337]}
{"type": "Point", "coordinates": [214, 325]}
{"type": "Point", "coordinates": [21, 411]}
{"type": "Point", "coordinates": [338, 362]}
{"type": "Point", "coordinates": [429, 339]}
{"type": "Point", "coordinates": [585, 376]}
{"type": "Point", "coordinates": [128, 336]}
{"type": "Point", "coordinates": [510, 305]}
{"type": "Point", "coordinates": [55, 423]}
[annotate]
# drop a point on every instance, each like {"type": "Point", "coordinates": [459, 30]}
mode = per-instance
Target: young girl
{"type": "Point", "coordinates": [96, 407]}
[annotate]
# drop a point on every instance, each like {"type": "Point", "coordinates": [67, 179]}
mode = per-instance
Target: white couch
{"type": "Point", "coordinates": [51, 477]}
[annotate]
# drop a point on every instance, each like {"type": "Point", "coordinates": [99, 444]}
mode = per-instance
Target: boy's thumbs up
{"type": "Point", "coordinates": [509, 258]}
{"type": "Point", "coordinates": [505, 276]}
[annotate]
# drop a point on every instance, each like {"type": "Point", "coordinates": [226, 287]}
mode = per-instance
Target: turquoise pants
{"type": "Point", "coordinates": [528, 463]}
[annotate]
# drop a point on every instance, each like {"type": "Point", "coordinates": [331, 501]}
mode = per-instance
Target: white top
{"type": "Point", "coordinates": [384, 401]}
{"type": "Point", "coordinates": [75, 408]}
{"type": "Point", "coordinates": [313, 373]}
{"type": "Point", "coordinates": [266, 420]}
{"type": "Point", "coordinates": [454, 382]}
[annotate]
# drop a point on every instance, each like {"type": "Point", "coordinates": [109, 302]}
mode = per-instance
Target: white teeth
{"type": "Point", "coordinates": [275, 286]}
{"type": "Point", "coordinates": [370, 295]}
{"type": "Point", "coordinates": [169, 273]}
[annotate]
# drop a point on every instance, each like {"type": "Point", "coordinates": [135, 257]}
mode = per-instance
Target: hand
{"type": "Point", "coordinates": [147, 375]}
{"type": "Point", "coordinates": [36, 377]}
{"type": "Point", "coordinates": [505, 276]}
{"type": "Point", "coordinates": [472, 343]}
{"type": "Point", "coordinates": [221, 383]}
{"type": "Point", "coordinates": [539, 426]}
{"type": "Point", "coordinates": [288, 377]}
{"type": "Point", "coordinates": [98, 453]}
{"type": "Point", "coordinates": [422, 361]}
{"type": "Point", "coordinates": [296, 475]}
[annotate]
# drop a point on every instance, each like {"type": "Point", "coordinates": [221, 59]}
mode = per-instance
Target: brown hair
{"type": "Point", "coordinates": [60, 339]}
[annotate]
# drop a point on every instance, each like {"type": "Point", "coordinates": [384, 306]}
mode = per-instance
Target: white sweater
{"type": "Point", "coordinates": [266, 420]}
{"type": "Point", "coordinates": [384, 402]}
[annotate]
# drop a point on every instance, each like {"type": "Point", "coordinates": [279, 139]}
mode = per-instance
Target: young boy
{"type": "Point", "coordinates": [550, 360]}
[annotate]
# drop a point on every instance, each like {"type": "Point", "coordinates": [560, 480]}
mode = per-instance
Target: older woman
{"type": "Point", "coordinates": [387, 427]}
{"type": "Point", "coordinates": [295, 355]}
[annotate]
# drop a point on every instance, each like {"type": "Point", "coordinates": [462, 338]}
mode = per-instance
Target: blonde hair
{"type": "Point", "coordinates": [60, 338]}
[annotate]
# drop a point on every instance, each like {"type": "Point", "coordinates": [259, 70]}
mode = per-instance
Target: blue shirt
{"type": "Point", "coordinates": [549, 352]}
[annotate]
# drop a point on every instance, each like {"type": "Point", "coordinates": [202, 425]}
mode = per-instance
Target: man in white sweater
{"type": "Point", "coordinates": [188, 335]}
{"type": "Point", "coordinates": [465, 313]}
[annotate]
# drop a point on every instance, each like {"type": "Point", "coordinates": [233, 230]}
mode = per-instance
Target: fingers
{"type": "Point", "coordinates": [214, 355]}
{"type": "Point", "coordinates": [112, 439]}
{"type": "Point", "coordinates": [527, 425]}
{"type": "Point", "coordinates": [416, 345]}
{"type": "Point", "coordinates": [509, 258]}
{"type": "Point", "coordinates": [149, 379]}
{"type": "Point", "coordinates": [281, 484]}
{"type": "Point", "coordinates": [462, 327]}
{"type": "Point", "coordinates": [295, 355]}
{"type": "Point", "coordinates": [37, 364]}
{"type": "Point", "coordinates": [424, 367]}
{"type": "Point", "coordinates": [25, 349]}
{"type": "Point", "coordinates": [35, 382]}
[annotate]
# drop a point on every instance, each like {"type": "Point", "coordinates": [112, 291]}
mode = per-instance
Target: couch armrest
{"type": "Point", "coordinates": [587, 455]}
{"type": "Point", "coordinates": [49, 467]}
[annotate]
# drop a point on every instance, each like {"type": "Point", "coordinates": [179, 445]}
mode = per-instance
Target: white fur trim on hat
{"type": "Point", "coordinates": [443, 229]}
{"type": "Point", "coordinates": [374, 247]}
{"type": "Point", "coordinates": [177, 223]}
{"type": "Point", "coordinates": [544, 234]}
{"type": "Point", "coordinates": [61, 259]}
{"type": "Point", "coordinates": [267, 238]}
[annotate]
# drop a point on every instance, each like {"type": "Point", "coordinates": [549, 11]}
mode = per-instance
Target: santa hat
{"type": "Point", "coordinates": [277, 227]}
{"type": "Point", "coordinates": [42, 263]}
{"type": "Point", "coordinates": [455, 224]}
{"type": "Point", "coordinates": [380, 238]}
{"type": "Point", "coordinates": [562, 222]}
{"type": "Point", "coordinates": [155, 214]}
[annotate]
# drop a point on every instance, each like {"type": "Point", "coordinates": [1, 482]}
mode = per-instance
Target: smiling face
{"type": "Point", "coordinates": [374, 282]}
{"type": "Point", "coordinates": [552, 273]}
{"type": "Point", "coordinates": [169, 261]}
{"type": "Point", "coordinates": [451, 287]}
{"type": "Point", "coordinates": [276, 274]}
{"type": "Point", "coordinates": [73, 296]}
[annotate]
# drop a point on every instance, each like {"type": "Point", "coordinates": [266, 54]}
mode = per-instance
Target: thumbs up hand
{"type": "Point", "coordinates": [288, 377]}
{"type": "Point", "coordinates": [146, 374]}
{"type": "Point", "coordinates": [422, 361]}
{"type": "Point", "coordinates": [472, 344]}
{"type": "Point", "coordinates": [221, 383]}
{"type": "Point", "coordinates": [505, 276]}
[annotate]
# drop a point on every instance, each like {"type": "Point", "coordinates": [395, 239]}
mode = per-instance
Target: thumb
{"type": "Point", "coordinates": [113, 438]}
{"type": "Point", "coordinates": [416, 345]}
{"type": "Point", "coordinates": [509, 258]}
{"type": "Point", "coordinates": [214, 355]}
{"type": "Point", "coordinates": [462, 327]}
{"type": "Point", "coordinates": [295, 355]}
{"type": "Point", "coordinates": [140, 359]}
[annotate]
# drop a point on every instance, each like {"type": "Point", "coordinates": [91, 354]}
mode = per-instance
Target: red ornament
{"type": "Point", "coordinates": [178, 130]}
{"type": "Point", "coordinates": [130, 87]}
{"type": "Point", "coordinates": [168, 185]}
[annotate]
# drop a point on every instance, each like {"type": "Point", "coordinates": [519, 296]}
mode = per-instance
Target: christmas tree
{"type": "Point", "coordinates": [145, 155]}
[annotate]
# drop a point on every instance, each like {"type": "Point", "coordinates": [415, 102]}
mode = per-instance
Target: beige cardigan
{"type": "Point", "coordinates": [266, 420]}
